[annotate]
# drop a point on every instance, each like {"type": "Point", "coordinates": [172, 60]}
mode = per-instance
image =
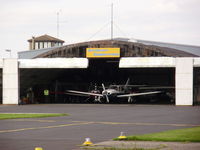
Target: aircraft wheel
{"type": "Point", "coordinates": [131, 100]}
{"type": "Point", "coordinates": [103, 101]}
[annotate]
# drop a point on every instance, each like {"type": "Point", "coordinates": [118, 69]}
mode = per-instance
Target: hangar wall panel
{"type": "Point", "coordinates": [54, 63]}
{"type": "Point", "coordinates": [1, 66]}
{"type": "Point", "coordinates": [10, 81]}
{"type": "Point", "coordinates": [1, 63]}
{"type": "Point", "coordinates": [184, 81]}
{"type": "Point", "coordinates": [196, 62]}
{"type": "Point", "coordinates": [142, 62]}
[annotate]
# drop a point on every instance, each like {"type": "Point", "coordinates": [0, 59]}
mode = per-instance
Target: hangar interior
{"type": "Point", "coordinates": [33, 82]}
{"type": "Point", "coordinates": [1, 86]}
{"type": "Point", "coordinates": [196, 85]}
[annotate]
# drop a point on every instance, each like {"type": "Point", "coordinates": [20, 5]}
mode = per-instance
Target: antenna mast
{"type": "Point", "coordinates": [57, 24]}
{"type": "Point", "coordinates": [111, 21]}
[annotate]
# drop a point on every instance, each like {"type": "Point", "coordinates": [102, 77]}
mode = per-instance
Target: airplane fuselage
{"type": "Point", "coordinates": [112, 93]}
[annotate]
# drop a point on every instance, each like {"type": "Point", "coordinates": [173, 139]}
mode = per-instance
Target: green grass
{"type": "Point", "coordinates": [179, 135]}
{"type": "Point", "coordinates": [27, 115]}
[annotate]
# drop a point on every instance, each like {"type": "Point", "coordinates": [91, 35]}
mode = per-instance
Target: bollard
{"type": "Point", "coordinates": [38, 148]}
{"type": "Point", "coordinates": [87, 142]}
{"type": "Point", "coordinates": [122, 136]}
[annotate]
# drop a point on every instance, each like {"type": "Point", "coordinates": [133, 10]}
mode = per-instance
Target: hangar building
{"type": "Point", "coordinates": [70, 67]}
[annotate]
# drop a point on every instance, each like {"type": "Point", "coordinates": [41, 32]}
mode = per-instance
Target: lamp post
{"type": "Point", "coordinates": [8, 50]}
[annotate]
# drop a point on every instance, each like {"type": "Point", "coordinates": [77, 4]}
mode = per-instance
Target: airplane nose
{"type": "Point", "coordinates": [104, 92]}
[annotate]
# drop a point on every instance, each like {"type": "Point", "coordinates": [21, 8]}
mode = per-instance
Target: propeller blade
{"type": "Point", "coordinates": [107, 99]}
{"type": "Point", "coordinates": [104, 89]}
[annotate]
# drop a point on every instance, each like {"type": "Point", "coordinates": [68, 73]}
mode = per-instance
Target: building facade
{"type": "Point", "coordinates": [44, 41]}
{"type": "Point", "coordinates": [69, 67]}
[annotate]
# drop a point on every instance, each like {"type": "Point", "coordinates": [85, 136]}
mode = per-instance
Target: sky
{"type": "Point", "coordinates": [173, 21]}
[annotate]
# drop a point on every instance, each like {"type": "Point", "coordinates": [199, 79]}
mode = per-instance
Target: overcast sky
{"type": "Point", "coordinates": [174, 21]}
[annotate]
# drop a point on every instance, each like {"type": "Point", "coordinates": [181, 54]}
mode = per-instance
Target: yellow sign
{"type": "Point", "coordinates": [103, 52]}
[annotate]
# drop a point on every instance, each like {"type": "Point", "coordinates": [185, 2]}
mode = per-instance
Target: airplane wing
{"type": "Point", "coordinates": [138, 85]}
{"type": "Point", "coordinates": [157, 87]}
{"type": "Point", "coordinates": [138, 94]}
{"type": "Point", "coordinates": [122, 85]}
{"type": "Point", "coordinates": [75, 94]}
{"type": "Point", "coordinates": [79, 93]}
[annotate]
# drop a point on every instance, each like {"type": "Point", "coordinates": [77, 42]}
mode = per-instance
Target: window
{"type": "Point", "coordinates": [36, 45]}
{"type": "Point", "coordinates": [56, 44]}
{"type": "Point", "coordinates": [45, 44]}
{"type": "Point", "coordinates": [49, 44]}
{"type": "Point", "coordinates": [41, 45]}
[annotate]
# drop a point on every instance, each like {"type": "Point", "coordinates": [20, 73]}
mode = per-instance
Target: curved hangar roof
{"type": "Point", "coordinates": [127, 49]}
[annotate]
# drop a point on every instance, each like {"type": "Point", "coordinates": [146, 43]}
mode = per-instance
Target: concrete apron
{"type": "Point", "coordinates": [149, 145]}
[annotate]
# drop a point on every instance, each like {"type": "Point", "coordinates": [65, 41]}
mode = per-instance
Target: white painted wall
{"type": "Point", "coordinates": [184, 81]}
{"type": "Point", "coordinates": [54, 63]}
{"type": "Point", "coordinates": [10, 81]}
{"type": "Point", "coordinates": [146, 62]}
{"type": "Point", "coordinates": [196, 62]}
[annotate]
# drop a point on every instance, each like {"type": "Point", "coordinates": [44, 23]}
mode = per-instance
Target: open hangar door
{"type": "Point", "coordinates": [152, 79]}
{"type": "Point", "coordinates": [1, 85]}
{"type": "Point", "coordinates": [33, 82]}
{"type": "Point", "coordinates": [196, 81]}
{"type": "Point", "coordinates": [107, 71]}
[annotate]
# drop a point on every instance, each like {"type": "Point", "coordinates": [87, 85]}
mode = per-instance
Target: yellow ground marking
{"type": "Point", "coordinates": [33, 120]}
{"type": "Point", "coordinates": [144, 124]}
{"type": "Point", "coordinates": [77, 123]}
{"type": "Point", "coordinates": [150, 124]}
{"type": "Point", "coordinates": [45, 127]}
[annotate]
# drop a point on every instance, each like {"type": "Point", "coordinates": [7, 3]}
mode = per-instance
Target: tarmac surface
{"type": "Point", "coordinates": [150, 145]}
{"type": "Point", "coordinates": [100, 122]}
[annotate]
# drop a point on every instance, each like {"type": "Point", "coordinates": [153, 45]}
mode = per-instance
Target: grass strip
{"type": "Point", "coordinates": [29, 115]}
{"type": "Point", "coordinates": [179, 135]}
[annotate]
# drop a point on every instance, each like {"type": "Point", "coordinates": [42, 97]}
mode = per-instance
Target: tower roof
{"type": "Point", "coordinates": [46, 38]}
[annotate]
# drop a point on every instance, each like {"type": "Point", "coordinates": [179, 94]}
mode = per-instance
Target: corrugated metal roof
{"type": "Point", "coordinates": [186, 48]}
{"type": "Point", "coordinates": [33, 53]}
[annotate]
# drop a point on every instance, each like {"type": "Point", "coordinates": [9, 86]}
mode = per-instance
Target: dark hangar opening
{"type": "Point", "coordinates": [196, 87]}
{"type": "Point", "coordinates": [103, 71]}
{"type": "Point", "coordinates": [33, 82]}
{"type": "Point", "coordinates": [1, 86]}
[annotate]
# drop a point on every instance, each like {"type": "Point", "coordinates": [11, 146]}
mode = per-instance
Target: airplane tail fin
{"type": "Point", "coordinates": [127, 83]}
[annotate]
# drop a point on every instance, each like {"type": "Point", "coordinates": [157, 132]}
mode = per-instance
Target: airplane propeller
{"type": "Point", "coordinates": [105, 93]}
